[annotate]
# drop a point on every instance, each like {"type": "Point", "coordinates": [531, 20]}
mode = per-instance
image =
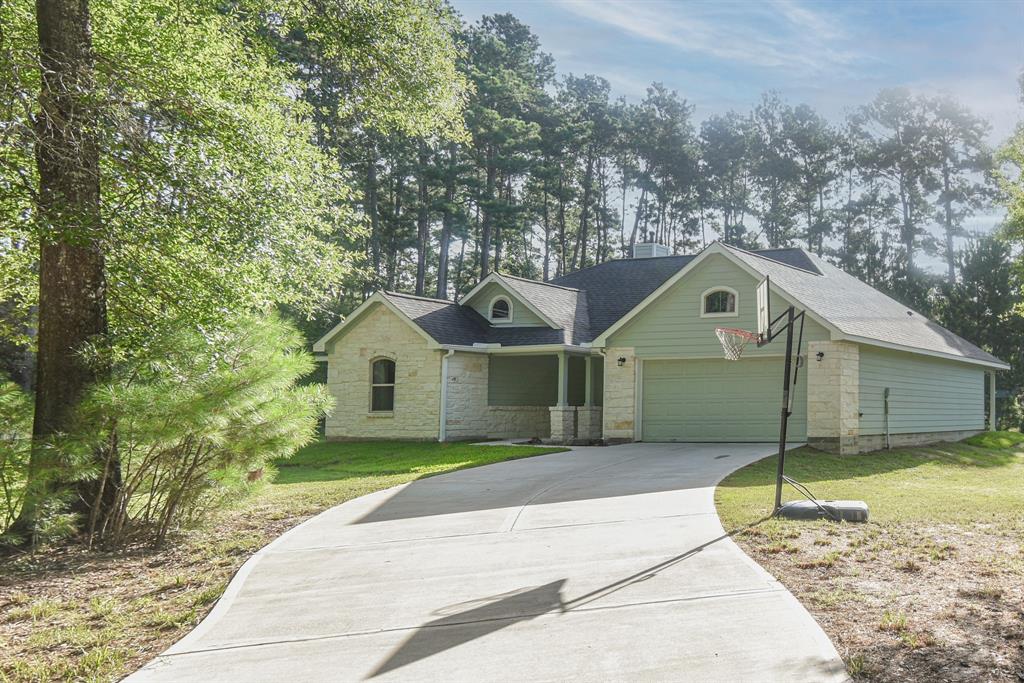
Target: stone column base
{"type": "Point", "coordinates": [563, 423]}
{"type": "Point", "coordinates": [588, 423]}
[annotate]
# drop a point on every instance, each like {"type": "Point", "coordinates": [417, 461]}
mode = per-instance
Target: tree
{"type": "Point", "coordinates": [774, 170]}
{"type": "Point", "coordinates": [963, 165]}
{"type": "Point", "coordinates": [72, 300]}
{"type": "Point", "coordinates": [180, 179]}
{"type": "Point", "coordinates": [894, 146]}
{"type": "Point", "coordinates": [816, 150]}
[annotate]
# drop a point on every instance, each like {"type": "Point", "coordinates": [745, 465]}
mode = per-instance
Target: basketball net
{"type": "Point", "coordinates": [734, 340]}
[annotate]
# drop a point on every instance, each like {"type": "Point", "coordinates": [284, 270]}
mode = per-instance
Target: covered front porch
{"type": "Point", "coordinates": [548, 395]}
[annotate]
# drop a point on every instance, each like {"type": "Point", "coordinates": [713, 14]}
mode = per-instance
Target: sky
{"type": "Point", "coordinates": [834, 56]}
{"type": "Point", "coordinates": [831, 55]}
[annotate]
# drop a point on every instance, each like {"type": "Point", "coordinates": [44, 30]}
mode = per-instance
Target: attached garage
{"type": "Point", "coordinates": [718, 400]}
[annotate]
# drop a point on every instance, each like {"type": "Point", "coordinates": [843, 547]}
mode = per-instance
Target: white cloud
{"type": "Point", "coordinates": [779, 35]}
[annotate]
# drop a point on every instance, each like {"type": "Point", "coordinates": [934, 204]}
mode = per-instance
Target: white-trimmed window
{"type": "Point", "coordinates": [501, 309]}
{"type": "Point", "coordinates": [382, 385]}
{"type": "Point", "coordinates": [719, 302]}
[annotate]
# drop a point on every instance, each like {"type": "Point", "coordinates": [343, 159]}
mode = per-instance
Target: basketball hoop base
{"type": "Point", "coordinates": [838, 510]}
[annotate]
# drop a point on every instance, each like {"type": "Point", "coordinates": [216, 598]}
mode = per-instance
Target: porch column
{"type": "Point", "coordinates": [992, 422]}
{"type": "Point", "coordinates": [588, 384]}
{"type": "Point", "coordinates": [563, 415]}
{"type": "Point", "coordinates": [563, 379]}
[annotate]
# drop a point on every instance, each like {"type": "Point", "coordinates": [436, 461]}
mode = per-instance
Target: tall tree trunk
{"type": "Point", "coordinates": [488, 217]}
{"type": "Point", "coordinates": [547, 235]}
{"type": "Point", "coordinates": [640, 208]}
{"type": "Point", "coordinates": [446, 226]}
{"type": "Point", "coordinates": [422, 223]}
{"type": "Point", "coordinates": [374, 214]}
{"type": "Point", "coordinates": [947, 202]}
{"type": "Point", "coordinates": [72, 282]}
{"type": "Point", "coordinates": [561, 224]}
{"type": "Point", "coordinates": [579, 250]}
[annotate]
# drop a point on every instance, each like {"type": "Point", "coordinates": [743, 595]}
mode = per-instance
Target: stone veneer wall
{"type": "Point", "coordinates": [619, 395]}
{"type": "Point", "coordinates": [470, 417]}
{"type": "Point", "coordinates": [833, 396]}
{"type": "Point", "coordinates": [417, 381]}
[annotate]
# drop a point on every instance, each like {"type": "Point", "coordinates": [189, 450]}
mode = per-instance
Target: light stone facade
{"type": "Point", "coordinates": [470, 417]}
{"type": "Point", "coordinates": [588, 423]}
{"type": "Point", "coordinates": [563, 424]}
{"type": "Point", "coordinates": [833, 396]}
{"type": "Point", "coordinates": [619, 414]}
{"type": "Point", "coordinates": [382, 334]}
{"type": "Point", "coordinates": [467, 415]}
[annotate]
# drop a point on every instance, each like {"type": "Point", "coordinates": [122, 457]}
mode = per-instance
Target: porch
{"type": "Point", "coordinates": [553, 396]}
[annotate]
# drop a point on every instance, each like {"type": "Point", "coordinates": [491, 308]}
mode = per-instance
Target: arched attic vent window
{"type": "Point", "coordinates": [719, 301]}
{"type": "Point", "coordinates": [501, 309]}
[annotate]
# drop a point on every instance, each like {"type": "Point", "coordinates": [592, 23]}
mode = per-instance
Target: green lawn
{"type": "Point", "coordinates": [977, 480]}
{"type": "Point", "coordinates": [931, 587]}
{"type": "Point", "coordinates": [67, 614]}
{"type": "Point", "coordinates": [327, 473]}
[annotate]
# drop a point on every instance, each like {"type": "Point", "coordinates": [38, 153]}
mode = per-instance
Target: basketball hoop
{"type": "Point", "coordinates": [734, 340]}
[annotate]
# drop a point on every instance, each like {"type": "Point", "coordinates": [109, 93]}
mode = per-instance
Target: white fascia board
{"type": "Point", "coordinates": [320, 346]}
{"type": "Point", "coordinates": [867, 341]}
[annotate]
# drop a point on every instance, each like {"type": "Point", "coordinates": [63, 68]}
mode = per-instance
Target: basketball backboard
{"type": "Point", "coordinates": [764, 311]}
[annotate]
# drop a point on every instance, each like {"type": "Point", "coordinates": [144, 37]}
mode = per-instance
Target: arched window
{"type": "Point", "coordinates": [718, 301]}
{"type": "Point", "coordinates": [501, 309]}
{"type": "Point", "coordinates": [382, 385]}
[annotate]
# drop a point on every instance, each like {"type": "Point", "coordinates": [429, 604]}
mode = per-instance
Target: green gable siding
{"type": "Point", "coordinates": [719, 400]}
{"type": "Point", "coordinates": [925, 394]}
{"type": "Point", "coordinates": [521, 315]}
{"type": "Point", "coordinates": [672, 325]}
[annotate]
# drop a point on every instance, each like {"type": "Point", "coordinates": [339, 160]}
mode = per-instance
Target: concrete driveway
{"type": "Point", "coordinates": [596, 564]}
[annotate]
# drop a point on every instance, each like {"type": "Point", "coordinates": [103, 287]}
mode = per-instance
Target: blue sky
{"type": "Point", "coordinates": [831, 55]}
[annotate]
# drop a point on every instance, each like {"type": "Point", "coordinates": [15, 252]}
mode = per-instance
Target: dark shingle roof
{"type": "Point", "coordinates": [589, 301]}
{"type": "Point", "coordinates": [446, 321]}
{"type": "Point", "coordinates": [565, 306]}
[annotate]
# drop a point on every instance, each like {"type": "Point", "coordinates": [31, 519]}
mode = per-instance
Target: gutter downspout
{"type": "Point", "coordinates": [442, 430]}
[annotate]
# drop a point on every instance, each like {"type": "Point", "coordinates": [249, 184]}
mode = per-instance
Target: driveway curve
{"type": "Point", "coordinates": [595, 564]}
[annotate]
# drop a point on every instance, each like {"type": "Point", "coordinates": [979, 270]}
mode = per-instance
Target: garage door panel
{"type": "Point", "coordinates": [718, 400]}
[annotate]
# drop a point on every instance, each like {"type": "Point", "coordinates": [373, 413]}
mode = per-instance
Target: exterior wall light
{"type": "Point", "coordinates": [621, 360]}
{"type": "Point", "coordinates": [819, 355]}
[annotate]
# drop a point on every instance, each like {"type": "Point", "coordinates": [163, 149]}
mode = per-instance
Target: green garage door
{"type": "Point", "coordinates": [718, 400]}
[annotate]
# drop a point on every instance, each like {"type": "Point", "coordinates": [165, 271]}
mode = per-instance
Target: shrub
{"type": "Point", "coordinates": [189, 420]}
{"type": "Point", "coordinates": [15, 445]}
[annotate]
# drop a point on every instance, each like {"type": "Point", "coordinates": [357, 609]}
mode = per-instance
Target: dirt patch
{"type": "Point", "coordinates": [67, 614]}
{"type": "Point", "coordinates": [906, 602]}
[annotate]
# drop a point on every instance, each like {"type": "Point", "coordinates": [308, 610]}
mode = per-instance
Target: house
{"type": "Point", "coordinates": [626, 350]}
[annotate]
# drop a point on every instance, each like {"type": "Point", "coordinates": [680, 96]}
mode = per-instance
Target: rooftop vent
{"type": "Point", "coordinates": [649, 249]}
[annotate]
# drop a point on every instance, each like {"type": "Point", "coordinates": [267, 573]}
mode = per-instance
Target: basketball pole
{"type": "Point", "coordinates": [784, 418]}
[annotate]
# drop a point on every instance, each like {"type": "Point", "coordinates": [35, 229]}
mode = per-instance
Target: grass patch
{"type": "Point", "coordinates": [930, 588]}
{"type": "Point", "coordinates": [946, 483]}
{"type": "Point", "coordinates": [66, 614]}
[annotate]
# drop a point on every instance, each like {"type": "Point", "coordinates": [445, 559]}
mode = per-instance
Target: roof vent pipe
{"type": "Point", "coordinates": [649, 250]}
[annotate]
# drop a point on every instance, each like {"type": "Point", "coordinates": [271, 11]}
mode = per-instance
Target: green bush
{"type": "Point", "coordinates": [15, 445]}
{"type": "Point", "coordinates": [193, 421]}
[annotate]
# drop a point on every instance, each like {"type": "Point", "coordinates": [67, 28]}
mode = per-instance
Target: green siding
{"type": "Point", "coordinates": [522, 381]}
{"type": "Point", "coordinates": [672, 326]}
{"type": "Point", "coordinates": [577, 379]}
{"type": "Point", "coordinates": [718, 400]}
{"type": "Point", "coordinates": [597, 367]}
{"type": "Point", "coordinates": [521, 315]}
{"type": "Point", "coordinates": [925, 394]}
